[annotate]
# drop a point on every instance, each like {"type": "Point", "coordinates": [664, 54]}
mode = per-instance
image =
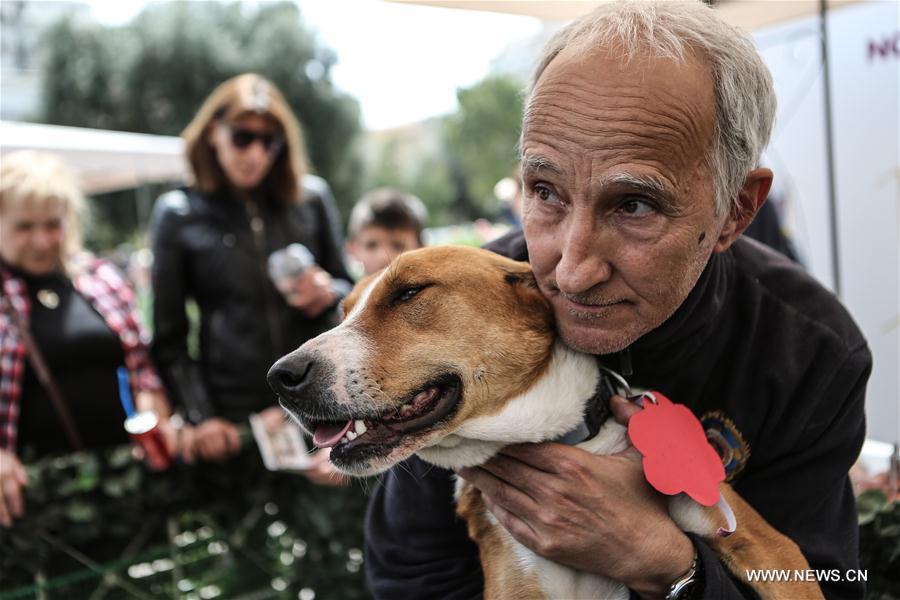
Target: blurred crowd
{"type": "Point", "coordinates": [253, 242]}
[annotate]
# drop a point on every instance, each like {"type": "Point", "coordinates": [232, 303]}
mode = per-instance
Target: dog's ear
{"type": "Point", "coordinates": [519, 275]}
{"type": "Point", "coordinates": [350, 301]}
{"type": "Point", "coordinates": [528, 295]}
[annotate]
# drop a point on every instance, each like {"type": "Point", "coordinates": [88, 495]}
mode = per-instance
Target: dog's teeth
{"type": "Point", "coordinates": [360, 427]}
{"type": "Point", "coordinates": [344, 439]}
{"type": "Point", "coordinates": [351, 436]}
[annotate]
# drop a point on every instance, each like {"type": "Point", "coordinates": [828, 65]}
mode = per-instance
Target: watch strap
{"type": "Point", "coordinates": [682, 587]}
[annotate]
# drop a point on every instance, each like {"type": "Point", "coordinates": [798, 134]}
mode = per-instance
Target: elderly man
{"type": "Point", "coordinates": [642, 129]}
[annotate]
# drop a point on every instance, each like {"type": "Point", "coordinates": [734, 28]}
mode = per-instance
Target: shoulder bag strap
{"type": "Point", "coordinates": [43, 374]}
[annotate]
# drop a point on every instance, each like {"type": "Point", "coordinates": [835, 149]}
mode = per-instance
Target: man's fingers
{"type": "Point", "coordinates": [499, 490]}
{"type": "Point", "coordinates": [622, 409]}
{"type": "Point", "coordinates": [517, 527]}
{"type": "Point", "coordinates": [548, 456]}
{"type": "Point", "coordinates": [513, 472]}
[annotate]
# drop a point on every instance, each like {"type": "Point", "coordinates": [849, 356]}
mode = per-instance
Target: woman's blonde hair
{"type": "Point", "coordinates": [41, 180]}
{"type": "Point", "coordinates": [239, 96]}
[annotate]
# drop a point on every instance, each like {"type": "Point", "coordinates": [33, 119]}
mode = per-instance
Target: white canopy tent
{"type": "Point", "coordinates": [748, 14]}
{"type": "Point", "coordinates": [104, 161]}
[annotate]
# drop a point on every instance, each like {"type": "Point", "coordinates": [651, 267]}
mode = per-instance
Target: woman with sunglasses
{"type": "Point", "coordinates": [250, 197]}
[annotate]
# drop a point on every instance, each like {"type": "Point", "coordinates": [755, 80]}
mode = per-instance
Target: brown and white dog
{"type": "Point", "coordinates": [450, 353]}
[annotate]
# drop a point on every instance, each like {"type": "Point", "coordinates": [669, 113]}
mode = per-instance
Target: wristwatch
{"type": "Point", "coordinates": [683, 587]}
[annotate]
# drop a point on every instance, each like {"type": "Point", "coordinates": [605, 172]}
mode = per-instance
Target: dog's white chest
{"type": "Point", "coordinates": [558, 581]}
{"type": "Point", "coordinates": [563, 582]}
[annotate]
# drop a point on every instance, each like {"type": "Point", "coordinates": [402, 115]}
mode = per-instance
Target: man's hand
{"type": "Point", "coordinates": [216, 439]}
{"type": "Point", "coordinates": [12, 479]}
{"type": "Point", "coordinates": [311, 293]}
{"type": "Point", "coordinates": [593, 513]}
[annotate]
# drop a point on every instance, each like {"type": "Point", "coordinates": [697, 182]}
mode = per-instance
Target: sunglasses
{"type": "Point", "coordinates": [244, 138]}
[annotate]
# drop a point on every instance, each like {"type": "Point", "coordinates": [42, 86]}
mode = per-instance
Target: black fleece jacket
{"type": "Point", "coordinates": [758, 342]}
{"type": "Point", "coordinates": [205, 249]}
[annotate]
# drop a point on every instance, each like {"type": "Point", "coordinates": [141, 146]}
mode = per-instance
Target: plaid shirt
{"type": "Point", "coordinates": [107, 291]}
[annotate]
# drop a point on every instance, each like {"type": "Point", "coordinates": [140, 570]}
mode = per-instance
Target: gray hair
{"type": "Point", "coordinates": [745, 98]}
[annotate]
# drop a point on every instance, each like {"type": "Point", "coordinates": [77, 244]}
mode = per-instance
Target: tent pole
{"type": "Point", "coordinates": [829, 147]}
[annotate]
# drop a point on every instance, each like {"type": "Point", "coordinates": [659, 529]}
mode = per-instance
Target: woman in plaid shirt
{"type": "Point", "coordinates": [81, 314]}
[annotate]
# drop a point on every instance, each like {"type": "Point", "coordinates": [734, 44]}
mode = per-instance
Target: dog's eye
{"type": "Point", "coordinates": [407, 294]}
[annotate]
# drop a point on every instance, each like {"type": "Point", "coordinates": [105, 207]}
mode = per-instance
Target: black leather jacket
{"type": "Point", "coordinates": [205, 250]}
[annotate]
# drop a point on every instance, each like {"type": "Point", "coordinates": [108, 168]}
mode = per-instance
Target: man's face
{"type": "Point", "coordinates": [375, 247]}
{"type": "Point", "coordinates": [619, 214]}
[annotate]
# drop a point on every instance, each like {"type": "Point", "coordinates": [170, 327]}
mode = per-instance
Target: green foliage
{"type": "Point", "coordinates": [417, 167]}
{"type": "Point", "coordinates": [879, 542]}
{"type": "Point", "coordinates": [484, 134]}
{"type": "Point", "coordinates": [101, 525]}
{"type": "Point", "coordinates": [453, 163]}
{"type": "Point", "coordinates": [151, 75]}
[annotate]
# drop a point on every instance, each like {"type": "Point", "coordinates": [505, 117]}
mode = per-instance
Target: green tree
{"type": "Point", "coordinates": [151, 75]}
{"type": "Point", "coordinates": [482, 137]}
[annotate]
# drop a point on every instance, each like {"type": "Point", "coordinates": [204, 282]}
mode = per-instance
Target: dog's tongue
{"type": "Point", "coordinates": [328, 435]}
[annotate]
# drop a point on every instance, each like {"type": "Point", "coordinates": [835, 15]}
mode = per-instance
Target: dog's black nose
{"type": "Point", "coordinates": [290, 375]}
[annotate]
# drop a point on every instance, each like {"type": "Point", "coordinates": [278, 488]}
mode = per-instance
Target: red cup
{"type": "Point", "coordinates": [143, 428]}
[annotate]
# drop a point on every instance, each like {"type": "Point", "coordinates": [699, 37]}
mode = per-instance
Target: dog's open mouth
{"type": "Point", "coordinates": [429, 406]}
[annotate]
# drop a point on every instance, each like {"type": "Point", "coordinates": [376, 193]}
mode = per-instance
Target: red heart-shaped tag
{"type": "Point", "coordinates": [677, 456]}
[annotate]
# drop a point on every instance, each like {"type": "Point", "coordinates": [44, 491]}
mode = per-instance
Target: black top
{"type": "Point", "coordinates": [82, 353]}
{"type": "Point", "coordinates": [758, 349]}
{"type": "Point", "coordinates": [766, 228]}
{"type": "Point", "coordinates": [204, 249]}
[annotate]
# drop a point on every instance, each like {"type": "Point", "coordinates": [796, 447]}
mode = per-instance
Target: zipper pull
{"type": "Point", "coordinates": [256, 222]}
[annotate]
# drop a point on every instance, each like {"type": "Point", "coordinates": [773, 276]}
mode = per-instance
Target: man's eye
{"type": "Point", "coordinates": [544, 193]}
{"type": "Point", "coordinates": [635, 207]}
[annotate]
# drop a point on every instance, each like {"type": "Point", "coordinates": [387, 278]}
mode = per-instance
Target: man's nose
{"type": "Point", "coordinates": [584, 260]}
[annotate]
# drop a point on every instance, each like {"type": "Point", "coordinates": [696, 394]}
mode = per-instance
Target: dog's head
{"type": "Point", "coordinates": [442, 336]}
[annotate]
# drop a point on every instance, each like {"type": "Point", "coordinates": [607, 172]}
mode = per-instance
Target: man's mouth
{"type": "Point", "coordinates": [592, 311]}
{"type": "Point", "coordinates": [361, 435]}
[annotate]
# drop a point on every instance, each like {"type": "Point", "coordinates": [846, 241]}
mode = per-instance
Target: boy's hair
{"type": "Point", "coordinates": [388, 208]}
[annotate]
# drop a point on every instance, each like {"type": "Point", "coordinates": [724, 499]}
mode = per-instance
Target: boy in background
{"type": "Point", "coordinates": [384, 224]}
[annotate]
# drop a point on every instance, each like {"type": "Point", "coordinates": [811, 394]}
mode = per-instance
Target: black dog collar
{"type": "Point", "coordinates": [596, 411]}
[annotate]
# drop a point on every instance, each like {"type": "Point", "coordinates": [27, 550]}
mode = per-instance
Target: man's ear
{"type": "Point", "coordinates": [751, 197]}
